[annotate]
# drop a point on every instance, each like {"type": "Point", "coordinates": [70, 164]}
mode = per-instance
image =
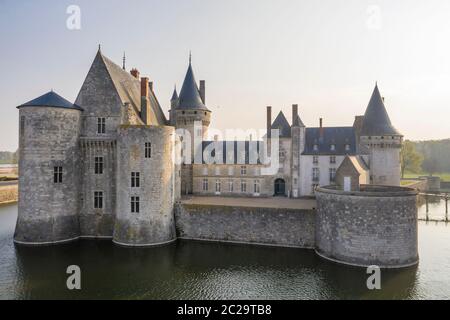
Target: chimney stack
{"type": "Point", "coordinates": [135, 73]}
{"type": "Point", "coordinates": [321, 128]}
{"type": "Point", "coordinates": [150, 85]}
{"type": "Point", "coordinates": [144, 87]}
{"type": "Point", "coordinates": [269, 122]}
{"type": "Point", "coordinates": [203, 91]}
{"type": "Point", "coordinates": [144, 100]}
{"type": "Point", "coordinates": [294, 113]}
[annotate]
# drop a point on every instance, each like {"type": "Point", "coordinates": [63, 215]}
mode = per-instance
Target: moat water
{"type": "Point", "coordinates": [194, 270]}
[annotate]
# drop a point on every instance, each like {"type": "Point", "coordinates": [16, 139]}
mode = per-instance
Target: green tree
{"type": "Point", "coordinates": [410, 158]}
{"type": "Point", "coordinates": [430, 165]}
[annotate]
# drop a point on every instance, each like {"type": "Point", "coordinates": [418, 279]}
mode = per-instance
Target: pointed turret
{"type": "Point", "coordinates": [190, 97]}
{"type": "Point", "coordinates": [174, 99]}
{"type": "Point", "coordinates": [282, 125]}
{"type": "Point", "coordinates": [376, 119]}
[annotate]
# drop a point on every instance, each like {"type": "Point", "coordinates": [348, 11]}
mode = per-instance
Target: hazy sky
{"type": "Point", "coordinates": [323, 55]}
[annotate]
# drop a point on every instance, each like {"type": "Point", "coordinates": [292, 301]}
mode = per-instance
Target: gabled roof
{"type": "Point", "coordinates": [298, 122]}
{"type": "Point", "coordinates": [50, 99]}
{"type": "Point", "coordinates": [282, 124]}
{"type": "Point", "coordinates": [189, 95]}
{"type": "Point", "coordinates": [355, 162]}
{"type": "Point", "coordinates": [103, 72]}
{"type": "Point", "coordinates": [376, 119]}
{"type": "Point", "coordinates": [337, 136]}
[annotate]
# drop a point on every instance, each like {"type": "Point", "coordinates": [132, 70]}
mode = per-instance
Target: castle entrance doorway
{"type": "Point", "coordinates": [280, 187]}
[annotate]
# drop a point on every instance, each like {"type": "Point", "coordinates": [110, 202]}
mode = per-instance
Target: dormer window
{"type": "Point", "coordinates": [347, 147]}
{"type": "Point", "coordinates": [333, 147]}
{"type": "Point", "coordinates": [316, 147]}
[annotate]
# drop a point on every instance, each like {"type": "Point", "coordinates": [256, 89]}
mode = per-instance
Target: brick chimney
{"type": "Point", "coordinates": [269, 122]}
{"type": "Point", "coordinates": [294, 113]}
{"type": "Point", "coordinates": [135, 73]}
{"type": "Point", "coordinates": [144, 100]}
{"type": "Point", "coordinates": [203, 91]}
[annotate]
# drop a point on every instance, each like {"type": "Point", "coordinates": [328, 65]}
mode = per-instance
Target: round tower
{"type": "Point", "coordinates": [146, 186]}
{"type": "Point", "coordinates": [382, 141]}
{"type": "Point", "coordinates": [48, 171]}
{"type": "Point", "coordinates": [190, 113]}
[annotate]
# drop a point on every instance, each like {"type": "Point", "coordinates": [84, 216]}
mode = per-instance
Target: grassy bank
{"type": "Point", "coordinates": [8, 194]}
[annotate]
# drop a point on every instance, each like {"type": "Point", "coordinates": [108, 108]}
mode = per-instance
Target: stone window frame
{"type": "Point", "coordinates": [332, 174]}
{"type": "Point", "coordinates": [101, 125]}
{"type": "Point", "coordinates": [332, 159]}
{"type": "Point", "coordinates": [256, 186]}
{"type": "Point", "coordinates": [243, 170]}
{"type": "Point", "coordinates": [315, 159]}
{"type": "Point", "coordinates": [135, 179]}
{"type": "Point", "coordinates": [218, 185]}
{"type": "Point", "coordinates": [98, 199]}
{"type": "Point", "coordinates": [135, 204]}
{"type": "Point", "coordinates": [231, 185]}
{"type": "Point", "coordinates": [57, 174]}
{"type": "Point", "coordinates": [243, 186]}
{"type": "Point", "coordinates": [205, 185]}
{"type": "Point", "coordinates": [98, 165]}
{"type": "Point", "coordinates": [315, 174]}
{"type": "Point", "coordinates": [148, 150]}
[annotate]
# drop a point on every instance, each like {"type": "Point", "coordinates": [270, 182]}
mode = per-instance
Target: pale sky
{"type": "Point", "coordinates": [323, 55]}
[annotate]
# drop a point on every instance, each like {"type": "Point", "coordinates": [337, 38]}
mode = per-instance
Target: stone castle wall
{"type": "Point", "coordinates": [48, 211]}
{"type": "Point", "coordinates": [154, 223]}
{"type": "Point", "coordinates": [266, 226]}
{"type": "Point", "coordinates": [376, 226]}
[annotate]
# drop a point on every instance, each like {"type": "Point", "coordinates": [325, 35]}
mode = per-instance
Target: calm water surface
{"type": "Point", "coordinates": [194, 270]}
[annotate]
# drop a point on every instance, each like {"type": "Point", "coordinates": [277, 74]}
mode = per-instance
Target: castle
{"type": "Point", "coordinates": [106, 166]}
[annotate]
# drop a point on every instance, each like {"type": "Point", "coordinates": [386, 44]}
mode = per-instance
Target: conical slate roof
{"type": "Point", "coordinates": [376, 119]}
{"type": "Point", "coordinates": [50, 99]}
{"type": "Point", "coordinates": [189, 94]}
{"type": "Point", "coordinates": [282, 124]}
{"type": "Point", "coordinates": [174, 95]}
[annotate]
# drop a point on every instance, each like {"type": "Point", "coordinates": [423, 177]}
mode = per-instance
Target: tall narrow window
{"type": "Point", "coordinates": [243, 186]}
{"type": "Point", "coordinates": [148, 150]}
{"type": "Point", "coordinates": [98, 165]}
{"type": "Point", "coordinates": [205, 184]}
{"type": "Point", "coordinates": [135, 180]}
{"type": "Point", "coordinates": [98, 199]}
{"type": "Point", "coordinates": [332, 174]}
{"type": "Point", "coordinates": [316, 174]}
{"type": "Point", "coordinates": [230, 186]}
{"type": "Point", "coordinates": [218, 186]}
{"type": "Point", "coordinates": [135, 204]}
{"type": "Point", "coordinates": [332, 159]}
{"type": "Point", "coordinates": [243, 170]}
{"type": "Point", "coordinates": [101, 125]}
{"type": "Point", "coordinates": [57, 174]}
{"type": "Point", "coordinates": [256, 187]}
{"type": "Point", "coordinates": [315, 160]}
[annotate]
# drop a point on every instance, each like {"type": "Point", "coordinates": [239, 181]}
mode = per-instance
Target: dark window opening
{"type": "Point", "coordinates": [98, 165]}
{"type": "Point", "coordinates": [98, 200]}
{"type": "Point", "coordinates": [135, 179]}
{"type": "Point", "coordinates": [101, 125]}
{"type": "Point", "coordinates": [57, 174]}
{"type": "Point", "coordinates": [134, 204]}
{"type": "Point", "coordinates": [148, 150]}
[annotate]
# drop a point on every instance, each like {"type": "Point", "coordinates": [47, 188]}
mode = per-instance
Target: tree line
{"type": "Point", "coordinates": [431, 156]}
